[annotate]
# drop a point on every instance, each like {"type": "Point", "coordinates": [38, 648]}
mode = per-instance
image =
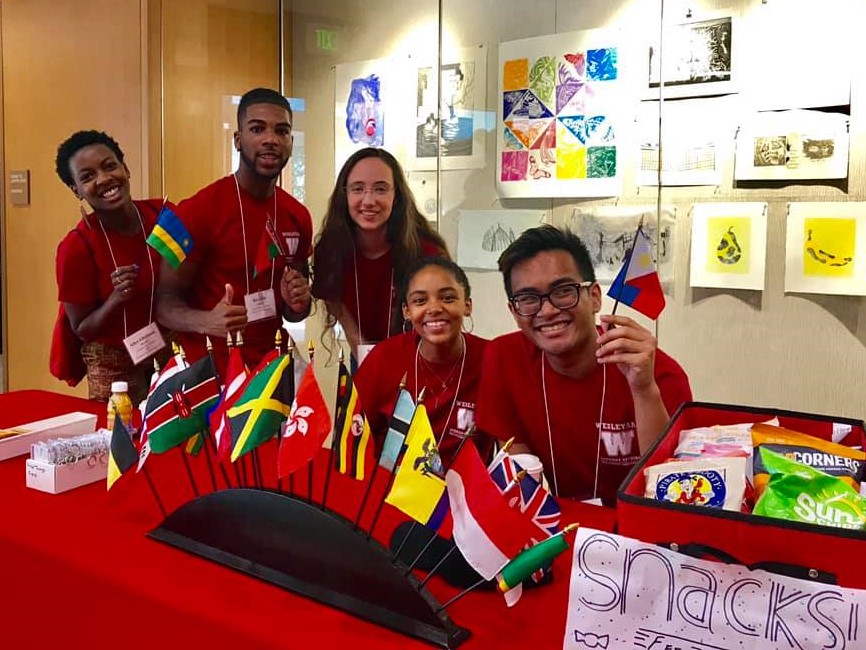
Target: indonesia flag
{"type": "Point", "coordinates": [488, 532]}
{"type": "Point", "coordinates": [637, 284]}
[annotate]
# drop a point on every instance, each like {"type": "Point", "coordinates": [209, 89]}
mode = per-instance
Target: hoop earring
{"type": "Point", "coordinates": [406, 322]}
{"type": "Point", "coordinates": [471, 324]}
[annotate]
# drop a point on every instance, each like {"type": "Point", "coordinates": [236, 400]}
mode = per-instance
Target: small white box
{"type": "Point", "coordinates": [62, 426]}
{"type": "Point", "coordinates": [60, 478]}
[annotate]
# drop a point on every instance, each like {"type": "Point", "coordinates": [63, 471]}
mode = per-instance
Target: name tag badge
{"type": "Point", "coordinates": [363, 350]}
{"type": "Point", "coordinates": [144, 343]}
{"type": "Point", "coordinates": [260, 305]}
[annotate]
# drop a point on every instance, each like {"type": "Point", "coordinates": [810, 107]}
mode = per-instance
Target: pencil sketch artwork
{"type": "Point", "coordinates": [609, 232]}
{"type": "Point", "coordinates": [482, 235]}
{"type": "Point", "coordinates": [697, 58]}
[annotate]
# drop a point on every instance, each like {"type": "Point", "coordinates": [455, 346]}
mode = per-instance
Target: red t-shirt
{"type": "Point", "coordinates": [511, 404]}
{"type": "Point", "coordinates": [451, 411]}
{"type": "Point", "coordinates": [84, 266]}
{"type": "Point", "coordinates": [377, 291]}
{"type": "Point", "coordinates": [225, 250]}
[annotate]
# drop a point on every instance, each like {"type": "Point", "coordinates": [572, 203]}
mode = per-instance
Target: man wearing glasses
{"type": "Point", "coordinates": [587, 400]}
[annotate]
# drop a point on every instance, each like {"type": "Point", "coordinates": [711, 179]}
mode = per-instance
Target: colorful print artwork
{"type": "Point", "coordinates": [729, 245]}
{"type": "Point", "coordinates": [558, 135]}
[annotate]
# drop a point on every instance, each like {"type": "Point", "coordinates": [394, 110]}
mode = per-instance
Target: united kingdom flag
{"type": "Point", "coordinates": [534, 499]}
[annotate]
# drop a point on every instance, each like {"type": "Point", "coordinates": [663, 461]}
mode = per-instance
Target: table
{"type": "Point", "coordinates": [77, 568]}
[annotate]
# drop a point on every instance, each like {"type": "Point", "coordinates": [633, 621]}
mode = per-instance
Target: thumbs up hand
{"type": "Point", "coordinates": [225, 317]}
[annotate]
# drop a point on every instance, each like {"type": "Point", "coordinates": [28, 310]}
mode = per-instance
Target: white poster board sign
{"type": "Point", "coordinates": [626, 594]}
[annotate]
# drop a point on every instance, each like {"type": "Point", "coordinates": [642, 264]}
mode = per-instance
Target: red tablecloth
{"type": "Point", "coordinates": [76, 568]}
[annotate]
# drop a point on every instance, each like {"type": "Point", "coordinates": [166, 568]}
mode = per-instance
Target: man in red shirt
{"type": "Point", "coordinates": [587, 400]}
{"type": "Point", "coordinates": [218, 288]}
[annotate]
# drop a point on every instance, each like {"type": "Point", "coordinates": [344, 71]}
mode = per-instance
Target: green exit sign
{"type": "Point", "coordinates": [327, 39]}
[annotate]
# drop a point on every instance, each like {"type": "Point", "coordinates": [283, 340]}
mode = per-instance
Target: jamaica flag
{"type": "Point", "coordinates": [263, 406]}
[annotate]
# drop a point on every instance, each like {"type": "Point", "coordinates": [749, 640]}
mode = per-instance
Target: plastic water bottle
{"type": "Point", "coordinates": [120, 403]}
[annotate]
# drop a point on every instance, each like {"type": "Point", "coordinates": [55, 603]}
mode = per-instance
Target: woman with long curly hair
{"type": "Point", "coordinates": [371, 233]}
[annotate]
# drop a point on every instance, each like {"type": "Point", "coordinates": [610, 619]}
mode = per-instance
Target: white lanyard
{"type": "Point", "coordinates": [456, 390]}
{"type": "Point", "coordinates": [550, 432]}
{"type": "Point", "coordinates": [244, 234]}
{"type": "Point", "coordinates": [149, 260]}
{"type": "Point", "coordinates": [358, 299]}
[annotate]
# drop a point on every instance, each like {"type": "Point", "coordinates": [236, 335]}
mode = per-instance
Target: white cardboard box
{"type": "Point", "coordinates": [62, 426]}
{"type": "Point", "coordinates": [60, 478]}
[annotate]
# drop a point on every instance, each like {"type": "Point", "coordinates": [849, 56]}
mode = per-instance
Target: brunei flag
{"type": "Point", "coordinates": [177, 408]}
{"type": "Point", "coordinates": [122, 454]}
{"type": "Point", "coordinates": [263, 406]}
{"type": "Point", "coordinates": [419, 488]}
{"type": "Point", "coordinates": [351, 432]}
{"type": "Point", "coordinates": [170, 238]}
{"type": "Point", "coordinates": [637, 284]}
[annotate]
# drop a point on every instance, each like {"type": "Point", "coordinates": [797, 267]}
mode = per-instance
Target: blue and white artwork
{"type": "Point", "coordinates": [365, 112]}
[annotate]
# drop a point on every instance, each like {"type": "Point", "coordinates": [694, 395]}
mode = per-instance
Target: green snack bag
{"type": "Point", "coordinates": [798, 492]}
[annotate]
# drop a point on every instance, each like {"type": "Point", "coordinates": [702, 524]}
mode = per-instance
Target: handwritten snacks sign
{"type": "Point", "coordinates": [625, 594]}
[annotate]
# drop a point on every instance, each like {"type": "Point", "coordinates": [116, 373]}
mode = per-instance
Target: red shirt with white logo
{"type": "Point", "coordinates": [511, 404]}
{"type": "Point", "coordinates": [225, 252]}
{"type": "Point", "coordinates": [451, 410]}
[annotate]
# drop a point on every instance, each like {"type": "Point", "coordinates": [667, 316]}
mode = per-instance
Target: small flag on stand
{"type": "Point", "coordinates": [122, 454]}
{"type": "Point", "coordinates": [398, 427]}
{"type": "Point", "coordinates": [637, 284]}
{"type": "Point", "coordinates": [529, 561]}
{"type": "Point", "coordinates": [170, 238]}
{"type": "Point", "coordinates": [307, 427]}
{"type": "Point", "coordinates": [419, 489]}
{"type": "Point", "coordinates": [171, 368]}
{"type": "Point", "coordinates": [176, 409]}
{"type": "Point", "coordinates": [488, 532]}
{"type": "Point", "coordinates": [236, 377]}
{"type": "Point", "coordinates": [263, 406]}
{"type": "Point", "coordinates": [351, 431]}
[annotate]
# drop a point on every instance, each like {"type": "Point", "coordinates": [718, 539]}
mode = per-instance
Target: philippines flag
{"type": "Point", "coordinates": [637, 284]}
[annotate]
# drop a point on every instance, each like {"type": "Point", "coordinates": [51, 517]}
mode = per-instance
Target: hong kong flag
{"type": "Point", "coordinates": [308, 425]}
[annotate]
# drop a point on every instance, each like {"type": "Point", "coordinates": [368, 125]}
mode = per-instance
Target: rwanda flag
{"type": "Point", "coordinates": [122, 454]}
{"type": "Point", "coordinates": [177, 408]}
{"type": "Point", "coordinates": [170, 237]}
{"type": "Point", "coordinates": [263, 406]}
{"type": "Point", "coordinates": [351, 433]}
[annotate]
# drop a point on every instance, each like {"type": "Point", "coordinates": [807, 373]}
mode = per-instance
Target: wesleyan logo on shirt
{"type": "Point", "coordinates": [619, 441]}
{"type": "Point", "coordinates": [292, 238]}
{"type": "Point", "coordinates": [465, 419]}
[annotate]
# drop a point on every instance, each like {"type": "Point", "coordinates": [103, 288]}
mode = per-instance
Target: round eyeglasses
{"type": "Point", "coordinates": [565, 296]}
{"type": "Point", "coordinates": [377, 189]}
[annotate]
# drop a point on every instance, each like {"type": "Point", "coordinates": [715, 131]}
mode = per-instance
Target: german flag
{"type": "Point", "coordinates": [122, 454]}
{"type": "Point", "coordinates": [351, 432]}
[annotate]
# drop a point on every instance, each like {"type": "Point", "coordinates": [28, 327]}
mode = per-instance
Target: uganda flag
{"type": "Point", "coordinates": [122, 454]}
{"type": "Point", "coordinates": [351, 432]}
{"type": "Point", "coordinates": [170, 238]}
{"type": "Point", "coordinates": [177, 408]}
{"type": "Point", "coordinates": [263, 406]}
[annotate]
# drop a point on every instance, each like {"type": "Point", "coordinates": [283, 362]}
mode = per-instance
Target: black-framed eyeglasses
{"type": "Point", "coordinates": [565, 296]}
